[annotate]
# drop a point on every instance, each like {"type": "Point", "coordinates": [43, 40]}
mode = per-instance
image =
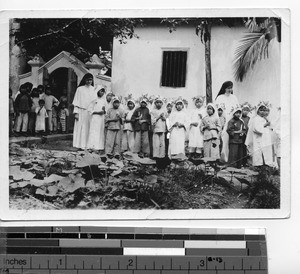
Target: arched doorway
{"type": "Point", "coordinates": [63, 82]}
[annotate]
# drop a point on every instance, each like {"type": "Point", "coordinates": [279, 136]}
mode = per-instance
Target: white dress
{"type": "Point", "coordinates": [177, 135]}
{"type": "Point", "coordinates": [195, 135]}
{"type": "Point", "coordinates": [229, 101]}
{"type": "Point", "coordinates": [259, 142]}
{"type": "Point", "coordinates": [83, 97]}
{"type": "Point", "coordinates": [96, 136]}
{"type": "Point", "coordinates": [40, 124]}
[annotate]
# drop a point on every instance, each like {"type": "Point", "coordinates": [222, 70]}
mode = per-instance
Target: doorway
{"type": "Point", "coordinates": [63, 82]}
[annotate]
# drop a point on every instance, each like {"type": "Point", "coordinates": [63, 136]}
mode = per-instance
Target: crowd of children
{"type": "Point", "coordinates": [35, 111]}
{"type": "Point", "coordinates": [153, 126]}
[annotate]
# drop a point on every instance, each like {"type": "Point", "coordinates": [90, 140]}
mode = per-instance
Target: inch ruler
{"type": "Point", "coordinates": [132, 250]}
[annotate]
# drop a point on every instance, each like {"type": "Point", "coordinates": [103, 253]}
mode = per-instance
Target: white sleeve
{"type": "Point", "coordinates": [258, 126]}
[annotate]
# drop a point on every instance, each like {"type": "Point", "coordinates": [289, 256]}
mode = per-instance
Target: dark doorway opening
{"type": "Point", "coordinates": [63, 82]}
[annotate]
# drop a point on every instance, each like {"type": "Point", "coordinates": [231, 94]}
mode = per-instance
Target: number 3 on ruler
{"type": "Point", "coordinates": [202, 263]}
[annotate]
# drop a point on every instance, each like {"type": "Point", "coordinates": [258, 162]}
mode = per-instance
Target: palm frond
{"type": "Point", "coordinates": [253, 47]}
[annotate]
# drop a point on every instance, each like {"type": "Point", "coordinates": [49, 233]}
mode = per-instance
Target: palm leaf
{"type": "Point", "coordinates": [253, 47]}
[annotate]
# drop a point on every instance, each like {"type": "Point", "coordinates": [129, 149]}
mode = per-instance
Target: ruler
{"type": "Point", "coordinates": [132, 250]}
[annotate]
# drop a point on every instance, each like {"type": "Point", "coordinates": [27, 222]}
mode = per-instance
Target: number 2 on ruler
{"type": "Point", "coordinates": [130, 262]}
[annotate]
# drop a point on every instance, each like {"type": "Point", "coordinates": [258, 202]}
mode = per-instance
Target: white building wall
{"type": "Point", "coordinates": [261, 83]}
{"type": "Point", "coordinates": [137, 65]}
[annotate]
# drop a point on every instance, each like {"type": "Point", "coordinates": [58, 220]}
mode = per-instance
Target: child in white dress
{"type": "Point", "coordinates": [195, 135]}
{"type": "Point", "coordinates": [177, 127]}
{"type": "Point", "coordinates": [97, 110]}
{"type": "Point", "coordinates": [41, 115]}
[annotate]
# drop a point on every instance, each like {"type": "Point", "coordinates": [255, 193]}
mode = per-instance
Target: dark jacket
{"type": "Point", "coordinates": [145, 116]}
{"type": "Point", "coordinates": [235, 125]}
{"type": "Point", "coordinates": [23, 103]}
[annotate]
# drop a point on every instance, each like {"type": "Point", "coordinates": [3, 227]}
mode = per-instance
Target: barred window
{"type": "Point", "coordinates": [174, 69]}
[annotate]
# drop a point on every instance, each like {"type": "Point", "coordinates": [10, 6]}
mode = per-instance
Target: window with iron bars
{"type": "Point", "coordinates": [174, 69]}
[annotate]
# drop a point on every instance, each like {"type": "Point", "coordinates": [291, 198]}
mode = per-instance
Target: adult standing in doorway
{"type": "Point", "coordinates": [227, 99]}
{"type": "Point", "coordinates": [84, 95]}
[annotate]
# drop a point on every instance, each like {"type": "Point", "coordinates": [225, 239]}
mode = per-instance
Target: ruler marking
{"type": "Point", "coordinates": [177, 263]}
{"type": "Point", "coordinates": [242, 263]}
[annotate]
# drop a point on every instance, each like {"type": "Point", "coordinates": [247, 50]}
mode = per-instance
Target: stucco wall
{"type": "Point", "coordinates": [261, 83]}
{"type": "Point", "coordinates": [137, 65]}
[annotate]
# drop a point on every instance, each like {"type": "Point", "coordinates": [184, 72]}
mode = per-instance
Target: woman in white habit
{"type": "Point", "coordinates": [84, 95]}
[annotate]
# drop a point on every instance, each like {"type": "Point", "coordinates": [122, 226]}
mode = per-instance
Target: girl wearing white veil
{"type": "Point", "coordinates": [178, 122]}
{"type": "Point", "coordinates": [258, 139]}
{"type": "Point", "coordinates": [96, 108]}
{"type": "Point", "coordinates": [197, 113]}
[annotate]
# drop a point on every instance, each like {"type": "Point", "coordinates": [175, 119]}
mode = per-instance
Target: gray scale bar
{"type": "Point", "coordinates": [203, 272]}
{"type": "Point", "coordinates": [216, 252]}
{"type": "Point", "coordinates": [256, 272]}
{"type": "Point", "coordinates": [36, 271]}
{"type": "Point", "coordinates": [231, 272]}
{"type": "Point", "coordinates": [146, 272]}
{"type": "Point", "coordinates": [91, 272]}
{"type": "Point", "coordinates": [119, 272]}
{"type": "Point", "coordinates": [63, 271]}
{"type": "Point", "coordinates": [153, 243]}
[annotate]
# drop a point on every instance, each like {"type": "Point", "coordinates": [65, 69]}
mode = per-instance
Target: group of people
{"type": "Point", "coordinates": [36, 111]}
{"type": "Point", "coordinates": [160, 128]}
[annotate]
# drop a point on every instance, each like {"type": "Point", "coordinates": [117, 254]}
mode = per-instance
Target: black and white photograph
{"type": "Point", "coordinates": [135, 112]}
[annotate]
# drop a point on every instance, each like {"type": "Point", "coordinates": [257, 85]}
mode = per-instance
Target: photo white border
{"type": "Point", "coordinates": [73, 214]}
